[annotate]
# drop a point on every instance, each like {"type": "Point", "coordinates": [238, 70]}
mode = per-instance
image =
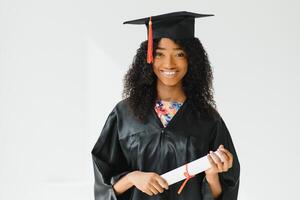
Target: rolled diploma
{"type": "Point", "coordinates": [194, 167]}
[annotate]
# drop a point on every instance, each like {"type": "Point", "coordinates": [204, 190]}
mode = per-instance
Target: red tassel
{"type": "Point", "coordinates": [150, 43]}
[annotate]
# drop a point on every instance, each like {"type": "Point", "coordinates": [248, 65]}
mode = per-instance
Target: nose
{"type": "Point", "coordinates": [169, 62]}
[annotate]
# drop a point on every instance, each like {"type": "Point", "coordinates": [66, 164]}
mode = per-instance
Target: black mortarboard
{"type": "Point", "coordinates": [175, 25]}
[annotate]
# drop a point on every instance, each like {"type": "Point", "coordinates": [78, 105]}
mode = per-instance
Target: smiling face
{"type": "Point", "coordinates": [170, 63]}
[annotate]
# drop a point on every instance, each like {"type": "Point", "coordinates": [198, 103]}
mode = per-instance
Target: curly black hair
{"type": "Point", "coordinates": [140, 80]}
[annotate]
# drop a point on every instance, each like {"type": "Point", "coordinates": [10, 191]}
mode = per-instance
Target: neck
{"type": "Point", "coordinates": [170, 93]}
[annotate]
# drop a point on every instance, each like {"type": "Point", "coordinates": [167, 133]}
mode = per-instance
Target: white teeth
{"type": "Point", "coordinates": [169, 73]}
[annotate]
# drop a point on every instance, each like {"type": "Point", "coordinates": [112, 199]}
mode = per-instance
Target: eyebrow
{"type": "Point", "coordinates": [161, 48]}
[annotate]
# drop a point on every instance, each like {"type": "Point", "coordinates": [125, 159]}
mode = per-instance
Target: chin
{"type": "Point", "coordinates": [170, 83]}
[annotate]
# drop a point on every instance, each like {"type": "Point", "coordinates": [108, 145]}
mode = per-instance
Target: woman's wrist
{"type": "Point", "coordinates": [212, 177]}
{"type": "Point", "coordinates": [125, 183]}
{"type": "Point", "coordinates": [130, 177]}
{"type": "Point", "coordinates": [214, 183]}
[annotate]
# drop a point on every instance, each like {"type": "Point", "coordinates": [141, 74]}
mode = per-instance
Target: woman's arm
{"type": "Point", "coordinates": [215, 185]}
{"type": "Point", "coordinates": [218, 165]}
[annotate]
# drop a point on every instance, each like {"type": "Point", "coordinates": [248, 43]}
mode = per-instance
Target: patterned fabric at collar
{"type": "Point", "coordinates": [166, 110]}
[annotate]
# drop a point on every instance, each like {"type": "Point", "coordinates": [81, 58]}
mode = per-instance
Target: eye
{"type": "Point", "coordinates": [180, 54]}
{"type": "Point", "coordinates": [158, 54]}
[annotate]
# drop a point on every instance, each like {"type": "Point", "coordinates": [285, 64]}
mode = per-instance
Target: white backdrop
{"type": "Point", "coordinates": [61, 69]}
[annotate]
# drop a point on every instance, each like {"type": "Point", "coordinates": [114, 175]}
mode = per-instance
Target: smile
{"type": "Point", "coordinates": [169, 74]}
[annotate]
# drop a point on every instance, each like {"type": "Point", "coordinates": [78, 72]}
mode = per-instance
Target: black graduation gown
{"type": "Point", "coordinates": [126, 144]}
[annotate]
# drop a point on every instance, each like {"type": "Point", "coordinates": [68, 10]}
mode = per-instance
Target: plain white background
{"type": "Point", "coordinates": [61, 68]}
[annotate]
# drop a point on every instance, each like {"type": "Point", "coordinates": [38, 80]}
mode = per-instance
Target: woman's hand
{"type": "Point", "coordinates": [148, 182]}
{"type": "Point", "coordinates": [216, 163]}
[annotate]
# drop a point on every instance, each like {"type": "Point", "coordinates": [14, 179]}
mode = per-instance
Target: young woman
{"type": "Point", "coordinates": [167, 118]}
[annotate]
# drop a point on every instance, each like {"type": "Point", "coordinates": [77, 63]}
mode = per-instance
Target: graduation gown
{"type": "Point", "coordinates": [126, 144]}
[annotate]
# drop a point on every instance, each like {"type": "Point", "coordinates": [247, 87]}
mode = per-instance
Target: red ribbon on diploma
{"type": "Point", "coordinates": [188, 177]}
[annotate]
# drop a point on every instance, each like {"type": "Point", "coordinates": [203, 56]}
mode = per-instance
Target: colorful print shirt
{"type": "Point", "coordinates": [166, 110]}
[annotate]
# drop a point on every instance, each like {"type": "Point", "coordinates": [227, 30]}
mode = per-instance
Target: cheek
{"type": "Point", "coordinates": [183, 67]}
{"type": "Point", "coordinates": [155, 68]}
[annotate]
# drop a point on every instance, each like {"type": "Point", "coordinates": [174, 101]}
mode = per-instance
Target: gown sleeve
{"type": "Point", "coordinates": [109, 162]}
{"type": "Point", "coordinates": [229, 180]}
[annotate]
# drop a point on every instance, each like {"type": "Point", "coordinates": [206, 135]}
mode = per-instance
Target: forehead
{"type": "Point", "coordinates": [167, 43]}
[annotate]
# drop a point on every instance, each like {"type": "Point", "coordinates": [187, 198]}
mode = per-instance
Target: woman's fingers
{"type": "Point", "coordinates": [217, 160]}
{"type": "Point", "coordinates": [158, 187]}
{"type": "Point", "coordinates": [224, 156]}
{"type": "Point", "coordinates": [229, 155]}
{"type": "Point", "coordinates": [153, 189]}
{"type": "Point", "coordinates": [149, 182]}
{"type": "Point", "coordinates": [148, 191]}
{"type": "Point", "coordinates": [157, 184]}
{"type": "Point", "coordinates": [211, 161]}
{"type": "Point", "coordinates": [222, 160]}
{"type": "Point", "coordinates": [162, 182]}
{"type": "Point", "coordinates": [225, 160]}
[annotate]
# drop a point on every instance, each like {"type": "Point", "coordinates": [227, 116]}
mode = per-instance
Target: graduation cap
{"type": "Point", "coordinates": [175, 25]}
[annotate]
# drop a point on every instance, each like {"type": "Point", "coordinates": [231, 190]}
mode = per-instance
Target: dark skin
{"type": "Point", "coordinates": [170, 66]}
